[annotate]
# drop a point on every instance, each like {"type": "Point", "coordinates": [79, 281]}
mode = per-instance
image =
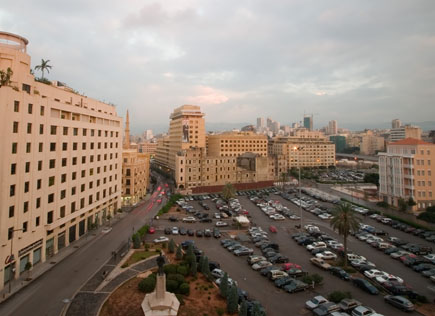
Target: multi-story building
{"type": "Point", "coordinates": [162, 151]}
{"type": "Point", "coordinates": [60, 168]}
{"type": "Point", "coordinates": [260, 123]}
{"type": "Point", "coordinates": [135, 171]}
{"type": "Point", "coordinates": [186, 130]}
{"type": "Point", "coordinates": [308, 122]}
{"type": "Point", "coordinates": [406, 171]}
{"type": "Point", "coordinates": [403, 132]}
{"type": "Point", "coordinates": [396, 123]}
{"type": "Point", "coordinates": [339, 141]}
{"type": "Point", "coordinates": [297, 151]}
{"type": "Point", "coordinates": [148, 134]}
{"type": "Point", "coordinates": [147, 148]}
{"type": "Point", "coordinates": [233, 144]}
{"type": "Point", "coordinates": [332, 127]}
{"type": "Point", "coordinates": [371, 144]}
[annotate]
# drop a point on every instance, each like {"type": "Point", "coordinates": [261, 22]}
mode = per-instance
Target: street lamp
{"type": "Point", "coordinates": [298, 149]}
{"type": "Point", "coordinates": [12, 260]}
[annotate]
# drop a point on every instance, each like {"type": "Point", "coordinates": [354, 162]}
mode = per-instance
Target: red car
{"type": "Point", "coordinates": [159, 201]}
{"type": "Point", "coordinates": [273, 229]}
{"type": "Point", "coordinates": [289, 265]}
{"type": "Point", "coordinates": [152, 230]}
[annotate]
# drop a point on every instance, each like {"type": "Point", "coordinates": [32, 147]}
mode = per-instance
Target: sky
{"type": "Point", "coordinates": [352, 61]}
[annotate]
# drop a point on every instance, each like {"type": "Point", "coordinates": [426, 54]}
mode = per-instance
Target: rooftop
{"type": "Point", "coordinates": [410, 141]}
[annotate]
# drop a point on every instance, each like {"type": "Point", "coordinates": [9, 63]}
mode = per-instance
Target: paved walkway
{"type": "Point", "coordinates": [41, 268]}
{"type": "Point", "coordinates": [88, 301]}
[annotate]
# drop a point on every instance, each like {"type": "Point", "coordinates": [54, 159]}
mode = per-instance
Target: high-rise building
{"type": "Point", "coordinates": [148, 134]}
{"type": "Point", "coordinates": [269, 122]}
{"type": "Point", "coordinates": [186, 130]}
{"type": "Point", "coordinates": [260, 123]}
{"type": "Point", "coordinates": [60, 168]}
{"type": "Point", "coordinates": [406, 171]}
{"type": "Point", "coordinates": [332, 127]}
{"type": "Point", "coordinates": [308, 122]}
{"type": "Point", "coordinates": [135, 171]}
{"type": "Point", "coordinates": [339, 141]}
{"type": "Point", "coordinates": [403, 132]}
{"type": "Point", "coordinates": [396, 123]}
{"type": "Point", "coordinates": [275, 127]}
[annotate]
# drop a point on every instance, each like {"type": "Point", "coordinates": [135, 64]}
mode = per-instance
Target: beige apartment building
{"type": "Point", "coordinates": [297, 151]}
{"type": "Point", "coordinates": [406, 131]}
{"type": "Point", "coordinates": [406, 171]}
{"type": "Point", "coordinates": [135, 171]}
{"type": "Point", "coordinates": [371, 144]}
{"type": "Point", "coordinates": [148, 148]}
{"type": "Point", "coordinates": [60, 169]}
{"type": "Point", "coordinates": [233, 144]}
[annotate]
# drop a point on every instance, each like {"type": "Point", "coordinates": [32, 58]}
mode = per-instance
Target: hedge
{"type": "Point", "coordinates": [174, 198]}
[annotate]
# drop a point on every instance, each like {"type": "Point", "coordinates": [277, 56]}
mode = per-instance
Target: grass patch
{"type": "Point", "coordinates": [139, 256]}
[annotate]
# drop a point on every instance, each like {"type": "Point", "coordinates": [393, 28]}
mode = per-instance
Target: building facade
{"type": "Point", "coordinates": [371, 144]}
{"type": "Point", "coordinates": [403, 132]}
{"type": "Point", "coordinates": [147, 148]}
{"type": "Point", "coordinates": [60, 166]}
{"type": "Point", "coordinates": [233, 144]}
{"type": "Point", "coordinates": [396, 123]}
{"type": "Point", "coordinates": [332, 127]}
{"type": "Point", "coordinates": [308, 122]}
{"type": "Point", "coordinates": [406, 171]}
{"type": "Point", "coordinates": [339, 142]}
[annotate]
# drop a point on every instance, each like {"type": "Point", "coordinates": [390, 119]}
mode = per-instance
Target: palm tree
{"type": "Point", "coordinates": [228, 192]}
{"type": "Point", "coordinates": [344, 221]}
{"type": "Point", "coordinates": [44, 66]}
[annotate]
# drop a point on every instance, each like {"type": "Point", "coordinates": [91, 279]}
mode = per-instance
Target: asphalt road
{"type": "Point", "coordinates": [44, 296]}
{"type": "Point", "coordinates": [278, 302]}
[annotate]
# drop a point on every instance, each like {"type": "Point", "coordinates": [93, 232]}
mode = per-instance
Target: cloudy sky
{"type": "Point", "coordinates": [353, 61]}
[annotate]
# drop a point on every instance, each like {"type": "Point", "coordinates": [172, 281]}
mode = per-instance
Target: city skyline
{"type": "Point", "coordinates": [316, 58]}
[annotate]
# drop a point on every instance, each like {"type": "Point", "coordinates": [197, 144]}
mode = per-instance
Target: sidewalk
{"type": "Point", "coordinates": [38, 270]}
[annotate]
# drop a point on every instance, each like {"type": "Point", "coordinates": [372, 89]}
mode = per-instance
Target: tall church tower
{"type": "Point", "coordinates": [127, 133]}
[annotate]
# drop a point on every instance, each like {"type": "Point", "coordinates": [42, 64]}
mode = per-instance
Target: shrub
{"type": "Point", "coordinates": [147, 285]}
{"type": "Point", "coordinates": [182, 269]}
{"type": "Point", "coordinates": [427, 217]}
{"type": "Point", "coordinates": [220, 311]}
{"type": "Point", "coordinates": [171, 286]}
{"type": "Point", "coordinates": [176, 277]}
{"type": "Point", "coordinates": [171, 246]}
{"type": "Point", "coordinates": [317, 278]}
{"type": "Point", "coordinates": [243, 309]}
{"type": "Point", "coordinates": [337, 296]}
{"type": "Point", "coordinates": [223, 286]}
{"type": "Point", "coordinates": [382, 204]}
{"type": "Point", "coordinates": [170, 268]}
{"type": "Point", "coordinates": [232, 300]}
{"type": "Point", "coordinates": [184, 289]}
{"type": "Point", "coordinates": [179, 253]}
{"type": "Point", "coordinates": [136, 241]}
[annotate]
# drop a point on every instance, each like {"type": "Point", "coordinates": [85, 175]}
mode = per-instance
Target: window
{"type": "Point", "coordinates": [16, 106]}
{"type": "Point", "coordinates": [64, 161]}
{"type": "Point", "coordinates": [41, 129]}
{"type": "Point", "coordinates": [14, 148]}
{"type": "Point", "coordinates": [37, 221]}
{"type": "Point", "coordinates": [74, 161]}
{"type": "Point", "coordinates": [64, 146]}
{"type": "Point", "coordinates": [26, 186]}
{"type": "Point", "coordinates": [27, 167]}
{"type": "Point", "coordinates": [63, 178]}
{"type": "Point", "coordinates": [15, 127]}
{"type": "Point", "coordinates": [62, 194]}
{"type": "Point", "coordinates": [40, 147]}
{"type": "Point", "coordinates": [52, 163]}
{"type": "Point", "coordinates": [11, 211]}
{"type": "Point", "coordinates": [38, 202]}
{"type": "Point", "coordinates": [83, 187]}
{"type": "Point", "coordinates": [51, 181]}
{"type": "Point", "coordinates": [29, 128]}
{"type": "Point", "coordinates": [52, 146]}
{"type": "Point", "coordinates": [50, 217]}
{"type": "Point", "coordinates": [12, 190]}
{"type": "Point", "coordinates": [53, 130]}
{"type": "Point", "coordinates": [84, 132]}
{"type": "Point", "coordinates": [83, 159]}
{"type": "Point", "coordinates": [90, 199]}
{"type": "Point", "coordinates": [82, 202]}
{"type": "Point", "coordinates": [28, 147]}
{"type": "Point", "coordinates": [73, 207]}
{"type": "Point", "coordinates": [26, 207]}
{"type": "Point", "coordinates": [73, 190]}
{"type": "Point", "coordinates": [42, 109]}
{"type": "Point", "coordinates": [83, 146]}
{"type": "Point", "coordinates": [83, 173]}
{"type": "Point", "coordinates": [39, 165]}
{"type": "Point", "coordinates": [38, 184]}
{"type": "Point", "coordinates": [75, 131]}
{"type": "Point", "coordinates": [24, 227]}
{"type": "Point", "coordinates": [65, 131]}
{"type": "Point", "coordinates": [74, 175]}
{"type": "Point", "coordinates": [13, 168]}
{"type": "Point", "coordinates": [74, 146]}
{"type": "Point", "coordinates": [92, 145]}
{"type": "Point", "coordinates": [10, 233]}
{"type": "Point", "coordinates": [51, 198]}
{"type": "Point", "coordinates": [62, 211]}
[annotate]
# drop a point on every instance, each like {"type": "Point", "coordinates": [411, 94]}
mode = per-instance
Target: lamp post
{"type": "Point", "coordinates": [12, 260]}
{"type": "Point", "coordinates": [298, 149]}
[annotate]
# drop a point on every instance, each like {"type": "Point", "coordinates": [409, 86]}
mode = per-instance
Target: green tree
{"type": "Point", "coordinates": [147, 285]}
{"type": "Point", "coordinates": [171, 246]}
{"type": "Point", "coordinates": [193, 268]}
{"type": "Point", "coordinates": [403, 206]}
{"type": "Point", "coordinates": [5, 77]}
{"type": "Point", "coordinates": [205, 269]}
{"type": "Point", "coordinates": [200, 262]}
{"type": "Point", "coordinates": [179, 253]}
{"type": "Point", "coordinates": [411, 201]}
{"type": "Point", "coordinates": [223, 286]}
{"type": "Point", "coordinates": [344, 221]}
{"type": "Point", "coordinates": [232, 300]}
{"type": "Point", "coordinates": [283, 179]}
{"type": "Point", "coordinates": [243, 308]}
{"type": "Point", "coordinates": [44, 66]}
{"type": "Point", "coordinates": [372, 178]}
{"type": "Point", "coordinates": [228, 192]}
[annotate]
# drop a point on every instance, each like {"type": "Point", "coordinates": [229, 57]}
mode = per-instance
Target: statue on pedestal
{"type": "Point", "coordinates": [160, 264]}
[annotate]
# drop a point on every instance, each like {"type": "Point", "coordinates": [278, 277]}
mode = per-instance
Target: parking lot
{"type": "Point", "coordinates": [277, 301]}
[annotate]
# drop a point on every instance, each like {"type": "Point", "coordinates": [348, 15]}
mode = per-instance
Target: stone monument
{"type": "Point", "coordinates": [160, 302]}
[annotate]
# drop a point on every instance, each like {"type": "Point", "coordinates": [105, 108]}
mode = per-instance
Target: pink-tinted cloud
{"type": "Point", "coordinates": [207, 95]}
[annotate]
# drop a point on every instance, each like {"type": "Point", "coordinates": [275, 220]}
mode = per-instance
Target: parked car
{"type": "Point", "coordinates": [281, 282]}
{"type": "Point", "coordinates": [320, 263]}
{"type": "Point", "coordinates": [315, 302]}
{"type": "Point", "coordinates": [327, 255]}
{"type": "Point", "coordinates": [295, 286]}
{"type": "Point", "coordinates": [347, 304]}
{"type": "Point", "coordinates": [339, 272]}
{"type": "Point", "coordinates": [326, 309]}
{"type": "Point", "coordinates": [216, 233]}
{"type": "Point", "coordinates": [255, 258]}
{"type": "Point", "coordinates": [168, 230]}
{"type": "Point", "coordinates": [218, 273]}
{"type": "Point", "coordinates": [365, 285]}
{"type": "Point", "coordinates": [190, 232]}
{"type": "Point", "coordinates": [221, 224]}
{"type": "Point", "coordinates": [189, 219]}
{"type": "Point", "coordinates": [276, 274]}
{"type": "Point", "coordinates": [199, 233]}
{"type": "Point", "coordinates": [399, 302]}
{"type": "Point", "coordinates": [260, 265]}
{"type": "Point", "coordinates": [374, 273]}
{"type": "Point", "coordinates": [207, 233]}
{"type": "Point", "coordinates": [363, 311]}
{"type": "Point", "coordinates": [161, 239]}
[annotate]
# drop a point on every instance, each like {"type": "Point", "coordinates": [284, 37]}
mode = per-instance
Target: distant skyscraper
{"type": "Point", "coordinates": [269, 123]}
{"type": "Point", "coordinates": [308, 122]}
{"type": "Point", "coordinates": [396, 123]}
{"type": "Point", "coordinates": [275, 127]}
{"type": "Point", "coordinates": [260, 123]}
{"type": "Point", "coordinates": [148, 134]}
{"type": "Point", "coordinates": [332, 127]}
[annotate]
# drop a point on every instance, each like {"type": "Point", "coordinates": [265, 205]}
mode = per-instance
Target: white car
{"type": "Point", "coordinates": [276, 274]}
{"type": "Point", "coordinates": [218, 273]}
{"type": "Point", "coordinates": [261, 265]}
{"type": "Point", "coordinates": [161, 239]}
{"type": "Point", "coordinates": [231, 282]}
{"type": "Point", "coordinates": [277, 217]}
{"type": "Point", "coordinates": [388, 278]}
{"type": "Point", "coordinates": [327, 255]}
{"type": "Point", "coordinates": [221, 224]}
{"type": "Point", "coordinates": [189, 219]}
{"type": "Point", "coordinates": [430, 257]}
{"type": "Point", "coordinates": [398, 254]}
{"type": "Point", "coordinates": [315, 302]}
{"type": "Point", "coordinates": [255, 258]}
{"type": "Point", "coordinates": [217, 215]}
{"type": "Point", "coordinates": [174, 231]}
{"type": "Point", "coordinates": [374, 273]}
{"type": "Point", "coordinates": [316, 245]}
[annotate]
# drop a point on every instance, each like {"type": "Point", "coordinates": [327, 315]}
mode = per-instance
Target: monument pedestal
{"type": "Point", "coordinates": [160, 302]}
